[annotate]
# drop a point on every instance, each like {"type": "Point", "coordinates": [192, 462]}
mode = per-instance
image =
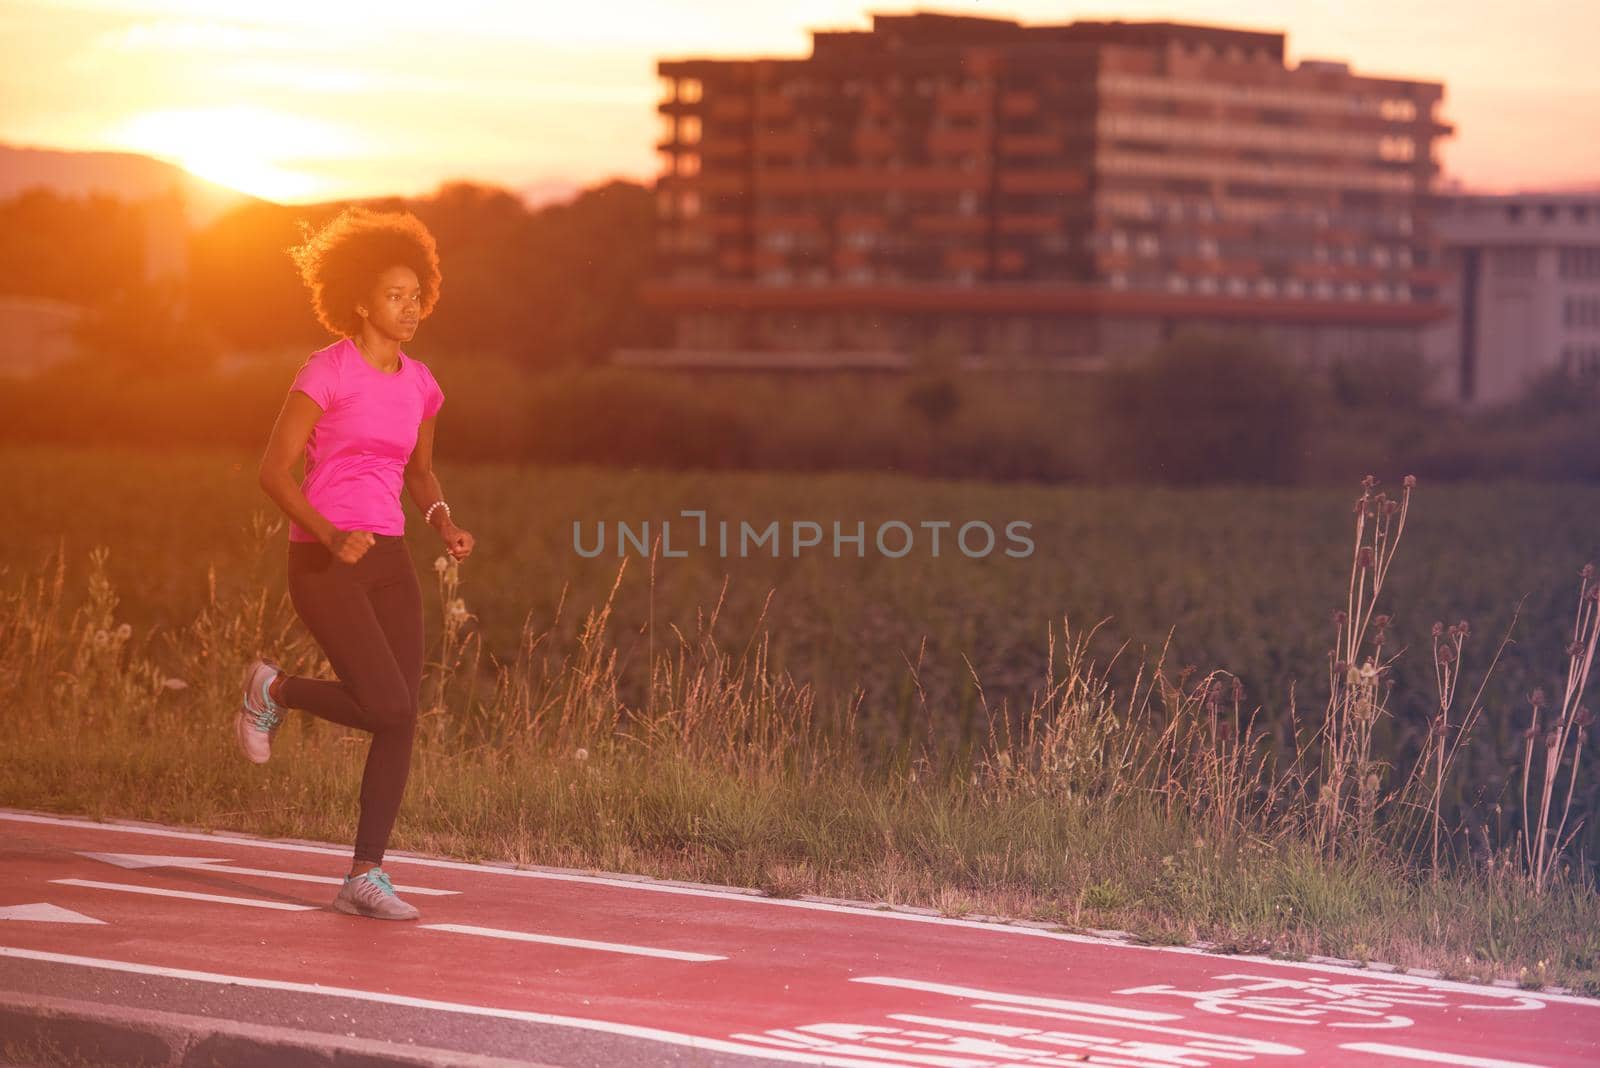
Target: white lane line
{"type": "Point", "coordinates": [1407, 1053]}
{"type": "Point", "coordinates": [1107, 1011]}
{"type": "Point", "coordinates": [140, 861]}
{"type": "Point", "coordinates": [696, 1042]}
{"type": "Point", "coordinates": [186, 894]}
{"type": "Point", "coordinates": [755, 898]}
{"type": "Point", "coordinates": [576, 943]}
{"type": "Point", "coordinates": [44, 912]}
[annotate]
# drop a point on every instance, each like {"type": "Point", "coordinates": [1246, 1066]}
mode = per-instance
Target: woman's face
{"type": "Point", "coordinates": [394, 306]}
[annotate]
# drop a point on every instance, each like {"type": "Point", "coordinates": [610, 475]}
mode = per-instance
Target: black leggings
{"type": "Point", "coordinates": [367, 616]}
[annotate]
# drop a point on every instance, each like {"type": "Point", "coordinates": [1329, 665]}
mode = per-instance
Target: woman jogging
{"type": "Point", "coordinates": [363, 412]}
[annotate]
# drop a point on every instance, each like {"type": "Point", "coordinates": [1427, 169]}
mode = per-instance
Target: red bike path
{"type": "Point", "coordinates": [726, 972]}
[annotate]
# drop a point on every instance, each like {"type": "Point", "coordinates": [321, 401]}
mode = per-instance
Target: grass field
{"type": "Point", "coordinates": [842, 727]}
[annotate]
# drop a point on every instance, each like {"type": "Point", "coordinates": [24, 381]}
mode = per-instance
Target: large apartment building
{"type": "Point", "coordinates": [977, 187]}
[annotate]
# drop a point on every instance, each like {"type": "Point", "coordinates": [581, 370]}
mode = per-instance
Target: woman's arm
{"type": "Point", "coordinates": [289, 436]}
{"type": "Point", "coordinates": [423, 485]}
{"type": "Point", "coordinates": [421, 482]}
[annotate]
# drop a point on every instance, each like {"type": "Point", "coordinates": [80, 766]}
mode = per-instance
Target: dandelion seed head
{"type": "Point", "coordinates": [175, 684]}
{"type": "Point", "coordinates": [1537, 697]}
{"type": "Point", "coordinates": [1369, 483]}
{"type": "Point", "coordinates": [440, 564]}
{"type": "Point", "coordinates": [101, 639]}
{"type": "Point", "coordinates": [1438, 630]}
{"type": "Point", "coordinates": [580, 754]}
{"type": "Point", "coordinates": [1410, 482]}
{"type": "Point", "coordinates": [1587, 572]}
{"type": "Point", "coordinates": [125, 632]}
{"type": "Point", "coordinates": [1364, 559]}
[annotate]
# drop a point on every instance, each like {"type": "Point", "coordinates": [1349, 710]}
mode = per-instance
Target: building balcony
{"type": "Point", "coordinates": [1037, 297]}
{"type": "Point", "coordinates": [1072, 180]}
{"type": "Point", "coordinates": [1030, 224]}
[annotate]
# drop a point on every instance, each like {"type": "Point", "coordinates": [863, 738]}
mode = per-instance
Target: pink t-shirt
{"type": "Point", "coordinates": [356, 455]}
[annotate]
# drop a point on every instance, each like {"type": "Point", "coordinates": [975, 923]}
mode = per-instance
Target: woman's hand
{"type": "Point", "coordinates": [350, 545]}
{"type": "Point", "coordinates": [457, 542]}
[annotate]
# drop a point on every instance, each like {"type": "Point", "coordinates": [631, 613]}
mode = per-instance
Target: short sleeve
{"type": "Point", "coordinates": [318, 379]}
{"type": "Point", "coordinates": [432, 398]}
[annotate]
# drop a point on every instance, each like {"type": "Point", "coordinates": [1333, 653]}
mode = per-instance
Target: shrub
{"type": "Point", "coordinates": [1207, 407]}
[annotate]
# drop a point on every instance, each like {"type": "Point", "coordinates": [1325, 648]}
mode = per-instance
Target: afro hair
{"type": "Point", "coordinates": [341, 262]}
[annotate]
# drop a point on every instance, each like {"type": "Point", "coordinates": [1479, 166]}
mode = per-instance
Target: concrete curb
{"type": "Point", "coordinates": [112, 1037]}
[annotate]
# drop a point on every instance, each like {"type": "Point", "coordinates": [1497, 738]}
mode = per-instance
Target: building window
{"type": "Point", "coordinates": [1397, 149]}
{"type": "Point", "coordinates": [689, 90]}
{"type": "Point", "coordinates": [689, 129]}
{"type": "Point", "coordinates": [1579, 263]}
{"type": "Point", "coordinates": [1398, 110]}
{"type": "Point", "coordinates": [1581, 362]}
{"type": "Point", "coordinates": [1582, 312]}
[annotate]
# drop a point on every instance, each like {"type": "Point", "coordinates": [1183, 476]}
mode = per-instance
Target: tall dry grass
{"type": "Point", "coordinates": [1165, 808]}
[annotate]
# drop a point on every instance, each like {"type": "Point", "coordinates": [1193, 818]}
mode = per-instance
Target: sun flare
{"type": "Point", "coordinates": [250, 149]}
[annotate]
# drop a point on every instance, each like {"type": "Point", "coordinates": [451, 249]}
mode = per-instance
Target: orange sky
{"type": "Point", "coordinates": [311, 99]}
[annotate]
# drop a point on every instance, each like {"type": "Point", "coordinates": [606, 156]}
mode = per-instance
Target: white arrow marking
{"type": "Point", "coordinates": [135, 860]}
{"type": "Point", "coordinates": [152, 891]}
{"type": "Point", "coordinates": [576, 943]}
{"type": "Point", "coordinates": [43, 912]}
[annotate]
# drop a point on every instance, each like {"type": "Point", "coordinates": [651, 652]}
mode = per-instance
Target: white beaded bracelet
{"type": "Point", "coordinates": [428, 516]}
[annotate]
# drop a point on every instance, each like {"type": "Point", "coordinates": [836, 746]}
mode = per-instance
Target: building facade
{"type": "Point", "coordinates": [981, 188]}
{"type": "Point", "coordinates": [1523, 286]}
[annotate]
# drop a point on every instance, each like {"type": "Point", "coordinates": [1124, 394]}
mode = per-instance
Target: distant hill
{"type": "Point", "coordinates": [126, 175]}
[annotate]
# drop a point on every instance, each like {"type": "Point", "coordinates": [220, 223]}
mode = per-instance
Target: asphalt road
{"type": "Point", "coordinates": [564, 968]}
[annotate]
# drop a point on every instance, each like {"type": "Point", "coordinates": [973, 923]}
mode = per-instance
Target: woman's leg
{"type": "Point", "coordinates": [341, 604]}
{"type": "Point", "coordinates": [396, 600]}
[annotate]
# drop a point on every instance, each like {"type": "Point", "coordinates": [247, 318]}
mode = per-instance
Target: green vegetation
{"type": "Point", "coordinates": [948, 732]}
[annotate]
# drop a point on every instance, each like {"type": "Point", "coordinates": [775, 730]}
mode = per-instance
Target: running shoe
{"type": "Point", "coordinates": [259, 715]}
{"type": "Point", "coordinates": [372, 894]}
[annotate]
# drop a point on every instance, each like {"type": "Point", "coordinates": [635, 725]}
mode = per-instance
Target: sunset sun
{"type": "Point", "coordinates": [255, 150]}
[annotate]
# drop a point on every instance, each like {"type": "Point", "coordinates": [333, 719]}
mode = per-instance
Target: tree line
{"type": "Point", "coordinates": [547, 287]}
